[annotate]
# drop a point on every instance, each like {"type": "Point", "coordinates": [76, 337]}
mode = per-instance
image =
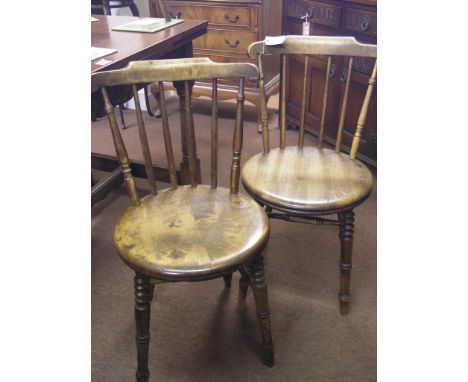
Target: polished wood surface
{"type": "Point", "coordinates": [191, 233]}
{"type": "Point", "coordinates": [309, 180]}
{"type": "Point", "coordinates": [133, 46]}
{"type": "Point", "coordinates": [195, 232]}
{"type": "Point", "coordinates": [232, 26]}
{"type": "Point", "coordinates": [355, 18]}
{"type": "Point", "coordinates": [302, 184]}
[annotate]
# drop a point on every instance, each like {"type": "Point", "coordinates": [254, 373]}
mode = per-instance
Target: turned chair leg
{"type": "Point", "coordinates": [346, 220]}
{"type": "Point", "coordinates": [259, 288]}
{"type": "Point", "coordinates": [143, 294]}
{"type": "Point", "coordinates": [227, 280]}
{"type": "Point", "coordinates": [243, 284]}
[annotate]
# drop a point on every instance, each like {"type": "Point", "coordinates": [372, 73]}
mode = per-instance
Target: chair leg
{"type": "Point", "coordinates": [259, 288]}
{"type": "Point", "coordinates": [121, 106]}
{"type": "Point", "coordinates": [243, 284]}
{"type": "Point", "coordinates": [227, 280]}
{"type": "Point", "coordinates": [142, 320]}
{"type": "Point", "coordinates": [346, 220]}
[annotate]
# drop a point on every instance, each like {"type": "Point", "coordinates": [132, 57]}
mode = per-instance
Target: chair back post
{"type": "Point", "coordinates": [164, 11]}
{"type": "Point", "coordinates": [120, 150]}
{"type": "Point", "coordinates": [363, 114]}
{"type": "Point", "coordinates": [237, 139]}
{"type": "Point", "coordinates": [263, 105]}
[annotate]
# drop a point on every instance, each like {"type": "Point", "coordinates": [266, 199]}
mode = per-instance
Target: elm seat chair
{"type": "Point", "coordinates": [193, 232]}
{"type": "Point", "coordinates": [303, 184]}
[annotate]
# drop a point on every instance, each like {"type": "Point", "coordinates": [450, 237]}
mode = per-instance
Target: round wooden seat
{"type": "Point", "coordinates": [191, 233]}
{"type": "Point", "coordinates": [308, 180]}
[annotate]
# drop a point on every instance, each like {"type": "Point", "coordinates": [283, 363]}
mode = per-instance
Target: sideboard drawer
{"type": "Point", "coordinates": [361, 21]}
{"type": "Point", "coordinates": [232, 17]}
{"type": "Point", "coordinates": [225, 40]}
{"type": "Point", "coordinates": [321, 13]}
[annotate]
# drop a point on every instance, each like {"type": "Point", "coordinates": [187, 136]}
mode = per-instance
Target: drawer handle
{"type": "Point", "coordinates": [233, 20]}
{"type": "Point", "coordinates": [177, 16]}
{"type": "Point", "coordinates": [365, 23]}
{"type": "Point", "coordinates": [226, 41]}
{"type": "Point", "coordinates": [344, 75]}
{"type": "Point", "coordinates": [332, 71]}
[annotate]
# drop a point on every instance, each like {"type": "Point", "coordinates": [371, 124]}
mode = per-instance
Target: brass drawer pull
{"type": "Point", "coordinates": [226, 41]}
{"type": "Point", "coordinates": [177, 16]}
{"type": "Point", "coordinates": [344, 75]}
{"type": "Point", "coordinates": [233, 20]}
{"type": "Point", "coordinates": [332, 71]}
{"type": "Point", "coordinates": [365, 23]}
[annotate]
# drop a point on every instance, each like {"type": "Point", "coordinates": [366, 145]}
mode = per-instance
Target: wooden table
{"type": "Point", "coordinates": [173, 42]}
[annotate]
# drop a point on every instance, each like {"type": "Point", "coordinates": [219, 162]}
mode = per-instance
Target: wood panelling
{"type": "Point", "coordinates": [356, 18]}
{"type": "Point", "coordinates": [232, 27]}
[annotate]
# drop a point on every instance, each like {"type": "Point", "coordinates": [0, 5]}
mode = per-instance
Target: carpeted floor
{"type": "Point", "coordinates": [200, 331]}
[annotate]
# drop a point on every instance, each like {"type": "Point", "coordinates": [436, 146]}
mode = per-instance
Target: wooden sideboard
{"type": "Point", "coordinates": [356, 18]}
{"type": "Point", "coordinates": [232, 27]}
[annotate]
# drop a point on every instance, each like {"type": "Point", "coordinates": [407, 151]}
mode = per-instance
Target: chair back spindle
{"type": "Point", "coordinates": [167, 137]}
{"type": "Point", "coordinates": [324, 103]}
{"type": "Point", "coordinates": [120, 149]}
{"type": "Point", "coordinates": [144, 142]}
{"type": "Point", "coordinates": [190, 134]}
{"type": "Point", "coordinates": [315, 46]}
{"type": "Point", "coordinates": [183, 71]}
{"type": "Point", "coordinates": [363, 114]}
{"type": "Point", "coordinates": [303, 102]}
{"type": "Point", "coordinates": [263, 106]}
{"type": "Point", "coordinates": [214, 133]}
{"type": "Point", "coordinates": [282, 111]}
{"type": "Point", "coordinates": [237, 139]}
{"type": "Point", "coordinates": [344, 106]}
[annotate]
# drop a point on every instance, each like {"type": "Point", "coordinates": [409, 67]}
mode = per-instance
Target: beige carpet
{"type": "Point", "coordinates": [200, 331]}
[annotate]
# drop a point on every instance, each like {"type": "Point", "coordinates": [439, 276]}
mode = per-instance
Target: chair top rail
{"type": "Point", "coordinates": [172, 70]}
{"type": "Point", "coordinates": [315, 45]}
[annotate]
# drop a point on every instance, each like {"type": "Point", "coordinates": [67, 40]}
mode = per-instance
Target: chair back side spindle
{"type": "Point", "coordinates": [315, 46]}
{"type": "Point", "coordinates": [120, 150]}
{"type": "Point", "coordinates": [363, 115]}
{"type": "Point", "coordinates": [178, 70]}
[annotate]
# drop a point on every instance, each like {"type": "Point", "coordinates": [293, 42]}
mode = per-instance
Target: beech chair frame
{"type": "Point", "coordinates": [249, 264]}
{"type": "Point", "coordinates": [313, 46]}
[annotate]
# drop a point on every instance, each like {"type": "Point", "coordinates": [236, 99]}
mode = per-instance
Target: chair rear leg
{"type": "Point", "coordinates": [346, 220]}
{"type": "Point", "coordinates": [243, 284]}
{"type": "Point", "coordinates": [259, 288]}
{"type": "Point", "coordinates": [227, 280]}
{"type": "Point", "coordinates": [143, 295]}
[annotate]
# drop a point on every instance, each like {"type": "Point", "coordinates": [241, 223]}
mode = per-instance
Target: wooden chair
{"type": "Point", "coordinates": [303, 184]}
{"type": "Point", "coordinates": [193, 232]}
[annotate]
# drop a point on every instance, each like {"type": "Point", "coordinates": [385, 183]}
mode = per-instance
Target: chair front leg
{"type": "Point", "coordinates": [259, 288]}
{"type": "Point", "coordinates": [143, 295]}
{"type": "Point", "coordinates": [346, 220]}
